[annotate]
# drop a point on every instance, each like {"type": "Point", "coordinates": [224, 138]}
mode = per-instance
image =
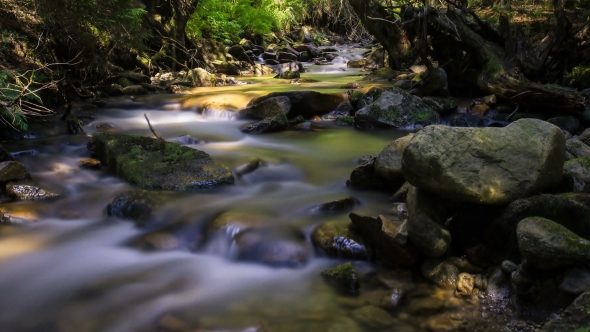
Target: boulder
{"type": "Point", "coordinates": [435, 84]}
{"type": "Point", "coordinates": [271, 247]}
{"type": "Point", "coordinates": [365, 177]}
{"type": "Point", "coordinates": [568, 123]}
{"type": "Point", "coordinates": [11, 171]}
{"type": "Point", "coordinates": [546, 244]}
{"type": "Point", "coordinates": [311, 49]}
{"type": "Point", "coordinates": [361, 99]}
{"type": "Point", "coordinates": [289, 75]}
{"type": "Point", "coordinates": [273, 124]}
{"type": "Point", "coordinates": [578, 167]}
{"type": "Point", "coordinates": [266, 108]}
{"type": "Point", "coordinates": [338, 205]}
{"type": "Point", "coordinates": [28, 192]}
{"type": "Point", "coordinates": [134, 90]}
{"type": "Point", "coordinates": [441, 272]}
{"type": "Point", "coordinates": [339, 239]}
{"type": "Point", "coordinates": [426, 223]}
{"type": "Point", "coordinates": [144, 207]}
{"type": "Point", "coordinates": [356, 63]}
{"type": "Point", "coordinates": [576, 281]}
{"type": "Point", "coordinates": [574, 318]}
{"type": "Point", "coordinates": [307, 103]}
{"type": "Point", "coordinates": [486, 165]}
{"type": "Point", "coordinates": [441, 105]}
{"type": "Point", "coordinates": [388, 240]}
{"type": "Point", "coordinates": [388, 164]}
{"type": "Point", "coordinates": [238, 52]}
{"type": "Point", "coordinates": [199, 77]}
{"type": "Point", "coordinates": [577, 148]}
{"type": "Point", "coordinates": [155, 164]}
{"type": "Point", "coordinates": [381, 74]}
{"type": "Point", "coordinates": [464, 120]}
{"type": "Point", "coordinates": [344, 275]}
{"type": "Point", "coordinates": [395, 108]}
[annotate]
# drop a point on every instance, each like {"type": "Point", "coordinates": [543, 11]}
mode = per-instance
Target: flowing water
{"type": "Point", "coordinates": [66, 266]}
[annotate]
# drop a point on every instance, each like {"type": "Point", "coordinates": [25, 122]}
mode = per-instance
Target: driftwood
{"type": "Point", "coordinates": [152, 128]}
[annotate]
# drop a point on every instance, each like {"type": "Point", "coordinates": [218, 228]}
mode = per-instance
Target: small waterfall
{"type": "Point", "coordinates": [214, 113]}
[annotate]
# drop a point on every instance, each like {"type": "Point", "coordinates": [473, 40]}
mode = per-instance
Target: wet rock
{"type": "Point", "coordinates": [440, 272]}
{"type": "Point", "coordinates": [344, 275]}
{"type": "Point", "coordinates": [574, 318]}
{"type": "Point", "coordinates": [381, 74]}
{"type": "Point", "coordinates": [345, 324]}
{"type": "Point", "coordinates": [249, 167]}
{"type": "Point", "coordinates": [156, 164]}
{"type": "Point", "coordinates": [311, 49]}
{"type": "Point", "coordinates": [441, 105]}
{"type": "Point", "coordinates": [356, 63]}
{"type": "Point", "coordinates": [546, 244]}
{"type": "Point", "coordinates": [141, 206]}
{"type": "Point", "coordinates": [425, 306]}
{"type": "Point", "coordinates": [585, 136]}
{"type": "Point", "coordinates": [267, 108]}
{"type": "Point", "coordinates": [464, 120]}
{"type": "Point", "coordinates": [159, 241]}
{"type": "Point", "coordinates": [29, 192]}
{"type": "Point", "coordinates": [89, 163]}
{"type": "Point", "coordinates": [339, 205]}
{"type": "Point", "coordinates": [568, 123]}
{"type": "Point", "coordinates": [426, 223]}
{"type": "Point", "coordinates": [480, 109]}
{"type": "Point", "coordinates": [365, 177]}
{"type": "Point", "coordinates": [230, 224]}
{"type": "Point", "coordinates": [267, 246]}
{"type": "Point", "coordinates": [307, 103]}
{"type": "Point", "coordinates": [388, 164]}
{"type": "Point", "coordinates": [351, 85]}
{"type": "Point", "coordinates": [296, 121]}
{"type": "Point", "coordinates": [11, 171]}
{"type": "Point", "coordinates": [486, 165]}
{"type": "Point", "coordinates": [377, 59]}
{"type": "Point", "coordinates": [339, 239]}
{"type": "Point", "coordinates": [480, 282]}
{"type": "Point", "coordinates": [576, 281]}
{"type": "Point", "coordinates": [239, 53]}
{"type": "Point", "coordinates": [435, 83]}
{"type": "Point", "coordinates": [578, 167]}
{"type": "Point", "coordinates": [465, 284]}
{"type": "Point", "coordinates": [508, 266]}
{"type": "Point", "coordinates": [345, 121]}
{"type": "Point", "coordinates": [288, 74]}
{"type": "Point", "coordinates": [577, 148]}
{"type": "Point", "coordinates": [199, 77]}
{"type": "Point", "coordinates": [387, 239]}
{"type": "Point", "coordinates": [269, 125]}
{"type": "Point", "coordinates": [344, 109]}
{"type": "Point", "coordinates": [373, 317]}
{"type": "Point", "coordinates": [570, 183]}
{"type": "Point", "coordinates": [134, 90]}
{"type": "Point", "coordinates": [396, 108]}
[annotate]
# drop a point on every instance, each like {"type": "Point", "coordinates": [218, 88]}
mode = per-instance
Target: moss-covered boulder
{"type": "Point", "coordinates": [441, 105]}
{"type": "Point", "coordinates": [381, 74]}
{"type": "Point", "coordinates": [267, 108]}
{"type": "Point", "coordinates": [345, 121]}
{"type": "Point", "coordinates": [395, 108]}
{"type": "Point", "coordinates": [157, 164]}
{"type": "Point", "coordinates": [344, 275]}
{"type": "Point", "coordinates": [361, 99]}
{"type": "Point", "coordinates": [486, 165]}
{"type": "Point", "coordinates": [11, 171]}
{"type": "Point", "coordinates": [365, 177]}
{"type": "Point", "coordinates": [273, 124]}
{"type": "Point", "coordinates": [546, 244]}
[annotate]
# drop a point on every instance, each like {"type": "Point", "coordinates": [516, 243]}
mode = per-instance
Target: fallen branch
{"type": "Point", "coordinates": [152, 128]}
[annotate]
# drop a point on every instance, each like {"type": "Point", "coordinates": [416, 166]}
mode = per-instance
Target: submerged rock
{"type": "Point", "coordinates": [441, 105]}
{"type": "Point", "coordinates": [486, 165]}
{"type": "Point", "coordinates": [440, 272]}
{"type": "Point", "coordinates": [156, 164]}
{"type": "Point", "coordinates": [272, 247]}
{"type": "Point", "coordinates": [395, 108]}
{"type": "Point", "coordinates": [307, 103]}
{"type": "Point", "coordinates": [11, 171]}
{"type": "Point", "coordinates": [547, 245]}
{"type": "Point", "coordinates": [141, 206]}
{"type": "Point", "coordinates": [29, 192]}
{"type": "Point", "coordinates": [344, 275]}
{"type": "Point", "coordinates": [373, 317]}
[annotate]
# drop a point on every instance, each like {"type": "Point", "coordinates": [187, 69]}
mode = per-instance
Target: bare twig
{"type": "Point", "coordinates": [152, 128]}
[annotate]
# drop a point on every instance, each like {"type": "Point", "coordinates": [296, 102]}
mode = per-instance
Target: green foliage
{"type": "Point", "coordinates": [225, 20]}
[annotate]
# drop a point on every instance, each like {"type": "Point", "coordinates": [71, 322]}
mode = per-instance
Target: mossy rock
{"type": "Point", "coordinates": [579, 167]}
{"type": "Point", "coordinates": [345, 121]}
{"type": "Point", "coordinates": [156, 164]}
{"type": "Point", "coordinates": [382, 74]}
{"type": "Point", "coordinates": [441, 105]}
{"type": "Point", "coordinates": [269, 125]}
{"type": "Point", "coordinates": [141, 206]}
{"type": "Point", "coordinates": [344, 275]}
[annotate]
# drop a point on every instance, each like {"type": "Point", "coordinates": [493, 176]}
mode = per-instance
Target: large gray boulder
{"type": "Point", "coordinates": [388, 164]}
{"type": "Point", "coordinates": [155, 164]}
{"type": "Point", "coordinates": [396, 108]}
{"type": "Point", "coordinates": [486, 165]}
{"type": "Point", "coordinates": [546, 244]}
{"type": "Point", "coordinates": [267, 108]}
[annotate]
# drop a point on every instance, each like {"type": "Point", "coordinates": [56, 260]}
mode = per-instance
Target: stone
{"type": "Point", "coordinates": [441, 105]}
{"type": "Point", "coordinates": [585, 136]}
{"type": "Point", "coordinates": [249, 167]}
{"type": "Point", "coordinates": [373, 317]}
{"type": "Point", "coordinates": [90, 163]}
{"type": "Point", "coordinates": [577, 148]}
{"type": "Point", "coordinates": [486, 165]}
{"type": "Point", "coordinates": [345, 121]}
{"type": "Point", "coordinates": [199, 77]}
{"type": "Point", "coordinates": [578, 167]}
{"type": "Point", "coordinates": [11, 171]}
{"type": "Point", "coordinates": [440, 272]}
{"type": "Point", "coordinates": [388, 164]}
{"type": "Point", "coordinates": [286, 56]}
{"type": "Point", "coordinates": [395, 108]}
{"type": "Point", "coordinates": [231, 223]}
{"type": "Point", "coordinates": [426, 223]}
{"type": "Point", "coordinates": [351, 85]}
{"type": "Point", "coordinates": [464, 120]}
{"type": "Point", "coordinates": [29, 192]}
{"type": "Point", "coordinates": [271, 247]}
{"type": "Point", "coordinates": [386, 239]}
{"type": "Point", "coordinates": [376, 59]}
{"type": "Point", "coordinates": [307, 103]}
{"type": "Point", "coordinates": [239, 53]}
{"type": "Point", "coordinates": [465, 284]}
{"type": "Point", "coordinates": [480, 109]}
{"type": "Point", "coordinates": [365, 177]}
{"type": "Point", "coordinates": [435, 83]}
{"type": "Point", "coordinates": [339, 239]}
{"type": "Point", "coordinates": [288, 74]}
{"type": "Point", "coordinates": [381, 74]}
{"type": "Point", "coordinates": [134, 90]}
{"type": "Point", "coordinates": [339, 205]}
{"type": "Point", "coordinates": [574, 318]}
{"type": "Point", "coordinates": [156, 164]}
{"type": "Point", "coordinates": [344, 275]}
{"type": "Point", "coordinates": [268, 125]}
{"type": "Point", "coordinates": [144, 207]}
{"type": "Point", "coordinates": [508, 266]}
{"type": "Point", "coordinates": [356, 63]}
{"type": "Point", "coordinates": [548, 245]}
{"type": "Point", "coordinates": [576, 281]}
{"type": "Point", "coordinates": [568, 123]}
{"type": "Point", "coordinates": [266, 108]}
{"type": "Point", "coordinates": [361, 99]}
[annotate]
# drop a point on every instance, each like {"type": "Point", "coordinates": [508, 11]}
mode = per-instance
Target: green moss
{"type": "Point", "coordinates": [344, 274]}
{"type": "Point", "coordinates": [345, 121]}
{"type": "Point", "coordinates": [583, 161]}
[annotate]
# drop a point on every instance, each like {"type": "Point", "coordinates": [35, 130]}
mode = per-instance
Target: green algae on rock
{"type": "Point", "coordinates": [156, 164]}
{"type": "Point", "coordinates": [345, 275]}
